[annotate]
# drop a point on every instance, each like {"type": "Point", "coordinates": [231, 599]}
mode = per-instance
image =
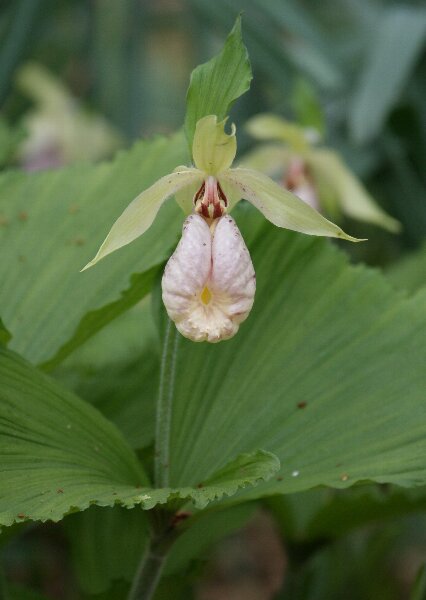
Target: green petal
{"type": "Point", "coordinates": [213, 150]}
{"type": "Point", "coordinates": [353, 198]}
{"type": "Point", "coordinates": [271, 127]}
{"type": "Point", "coordinates": [280, 206]}
{"type": "Point", "coordinates": [140, 213]}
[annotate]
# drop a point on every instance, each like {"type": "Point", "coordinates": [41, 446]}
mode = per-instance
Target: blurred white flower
{"type": "Point", "coordinates": [315, 174]}
{"type": "Point", "coordinates": [60, 131]}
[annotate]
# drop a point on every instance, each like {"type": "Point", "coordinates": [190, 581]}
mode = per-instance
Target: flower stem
{"type": "Point", "coordinates": [147, 576]}
{"type": "Point", "coordinates": [164, 407]}
{"type": "Point", "coordinates": [151, 566]}
{"type": "Point", "coordinates": [163, 533]}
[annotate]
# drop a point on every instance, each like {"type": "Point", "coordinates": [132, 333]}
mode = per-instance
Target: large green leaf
{"type": "Point", "coordinates": [52, 224]}
{"type": "Point", "coordinates": [117, 371]}
{"type": "Point", "coordinates": [327, 373]}
{"type": "Point", "coordinates": [409, 272]}
{"type": "Point", "coordinates": [59, 455]}
{"type": "Point", "coordinates": [94, 321]}
{"type": "Point", "coordinates": [215, 85]}
{"type": "Point", "coordinates": [398, 41]}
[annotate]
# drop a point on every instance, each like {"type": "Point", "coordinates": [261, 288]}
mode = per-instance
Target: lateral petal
{"type": "Point", "coordinates": [141, 212]}
{"type": "Point", "coordinates": [185, 196]}
{"type": "Point", "coordinates": [353, 198]}
{"type": "Point", "coordinates": [280, 206]}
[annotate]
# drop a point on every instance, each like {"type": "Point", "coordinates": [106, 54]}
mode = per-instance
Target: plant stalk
{"type": "Point", "coordinates": [164, 407]}
{"type": "Point", "coordinates": [150, 568]}
{"type": "Point", "coordinates": [149, 572]}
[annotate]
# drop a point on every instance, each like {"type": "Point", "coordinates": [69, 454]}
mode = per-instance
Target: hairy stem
{"type": "Point", "coordinates": [150, 568]}
{"type": "Point", "coordinates": [164, 407]}
{"type": "Point", "coordinates": [164, 533]}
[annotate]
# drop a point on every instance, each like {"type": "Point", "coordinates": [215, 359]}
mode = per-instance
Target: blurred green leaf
{"type": "Point", "coordinates": [419, 589]}
{"type": "Point", "coordinates": [203, 532]}
{"type": "Point", "coordinates": [404, 189]}
{"type": "Point", "coordinates": [19, 592]}
{"type": "Point", "coordinates": [118, 591]}
{"type": "Point", "coordinates": [10, 138]}
{"type": "Point", "coordinates": [409, 272]}
{"type": "Point", "coordinates": [215, 85]}
{"type": "Point", "coordinates": [306, 106]}
{"type": "Point", "coordinates": [4, 334]}
{"type": "Point", "coordinates": [398, 41]}
{"type": "Point", "coordinates": [364, 572]}
{"type": "Point", "coordinates": [308, 59]}
{"type": "Point", "coordinates": [106, 545]}
{"type": "Point", "coordinates": [53, 222]}
{"type": "Point", "coordinates": [19, 31]}
{"type": "Point", "coordinates": [345, 512]}
{"type": "Point", "coordinates": [316, 375]}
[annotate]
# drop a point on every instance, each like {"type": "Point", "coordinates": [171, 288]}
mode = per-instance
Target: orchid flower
{"type": "Point", "coordinates": [209, 282]}
{"type": "Point", "coordinates": [315, 174]}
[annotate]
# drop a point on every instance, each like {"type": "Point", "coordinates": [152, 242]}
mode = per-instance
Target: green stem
{"type": "Point", "coordinates": [164, 533]}
{"type": "Point", "coordinates": [151, 566]}
{"type": "Point", "coordinates": [164, 407]}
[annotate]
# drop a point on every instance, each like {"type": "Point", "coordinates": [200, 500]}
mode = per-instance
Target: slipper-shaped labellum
{"type": "Point", "coordinates": [209, 282]}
